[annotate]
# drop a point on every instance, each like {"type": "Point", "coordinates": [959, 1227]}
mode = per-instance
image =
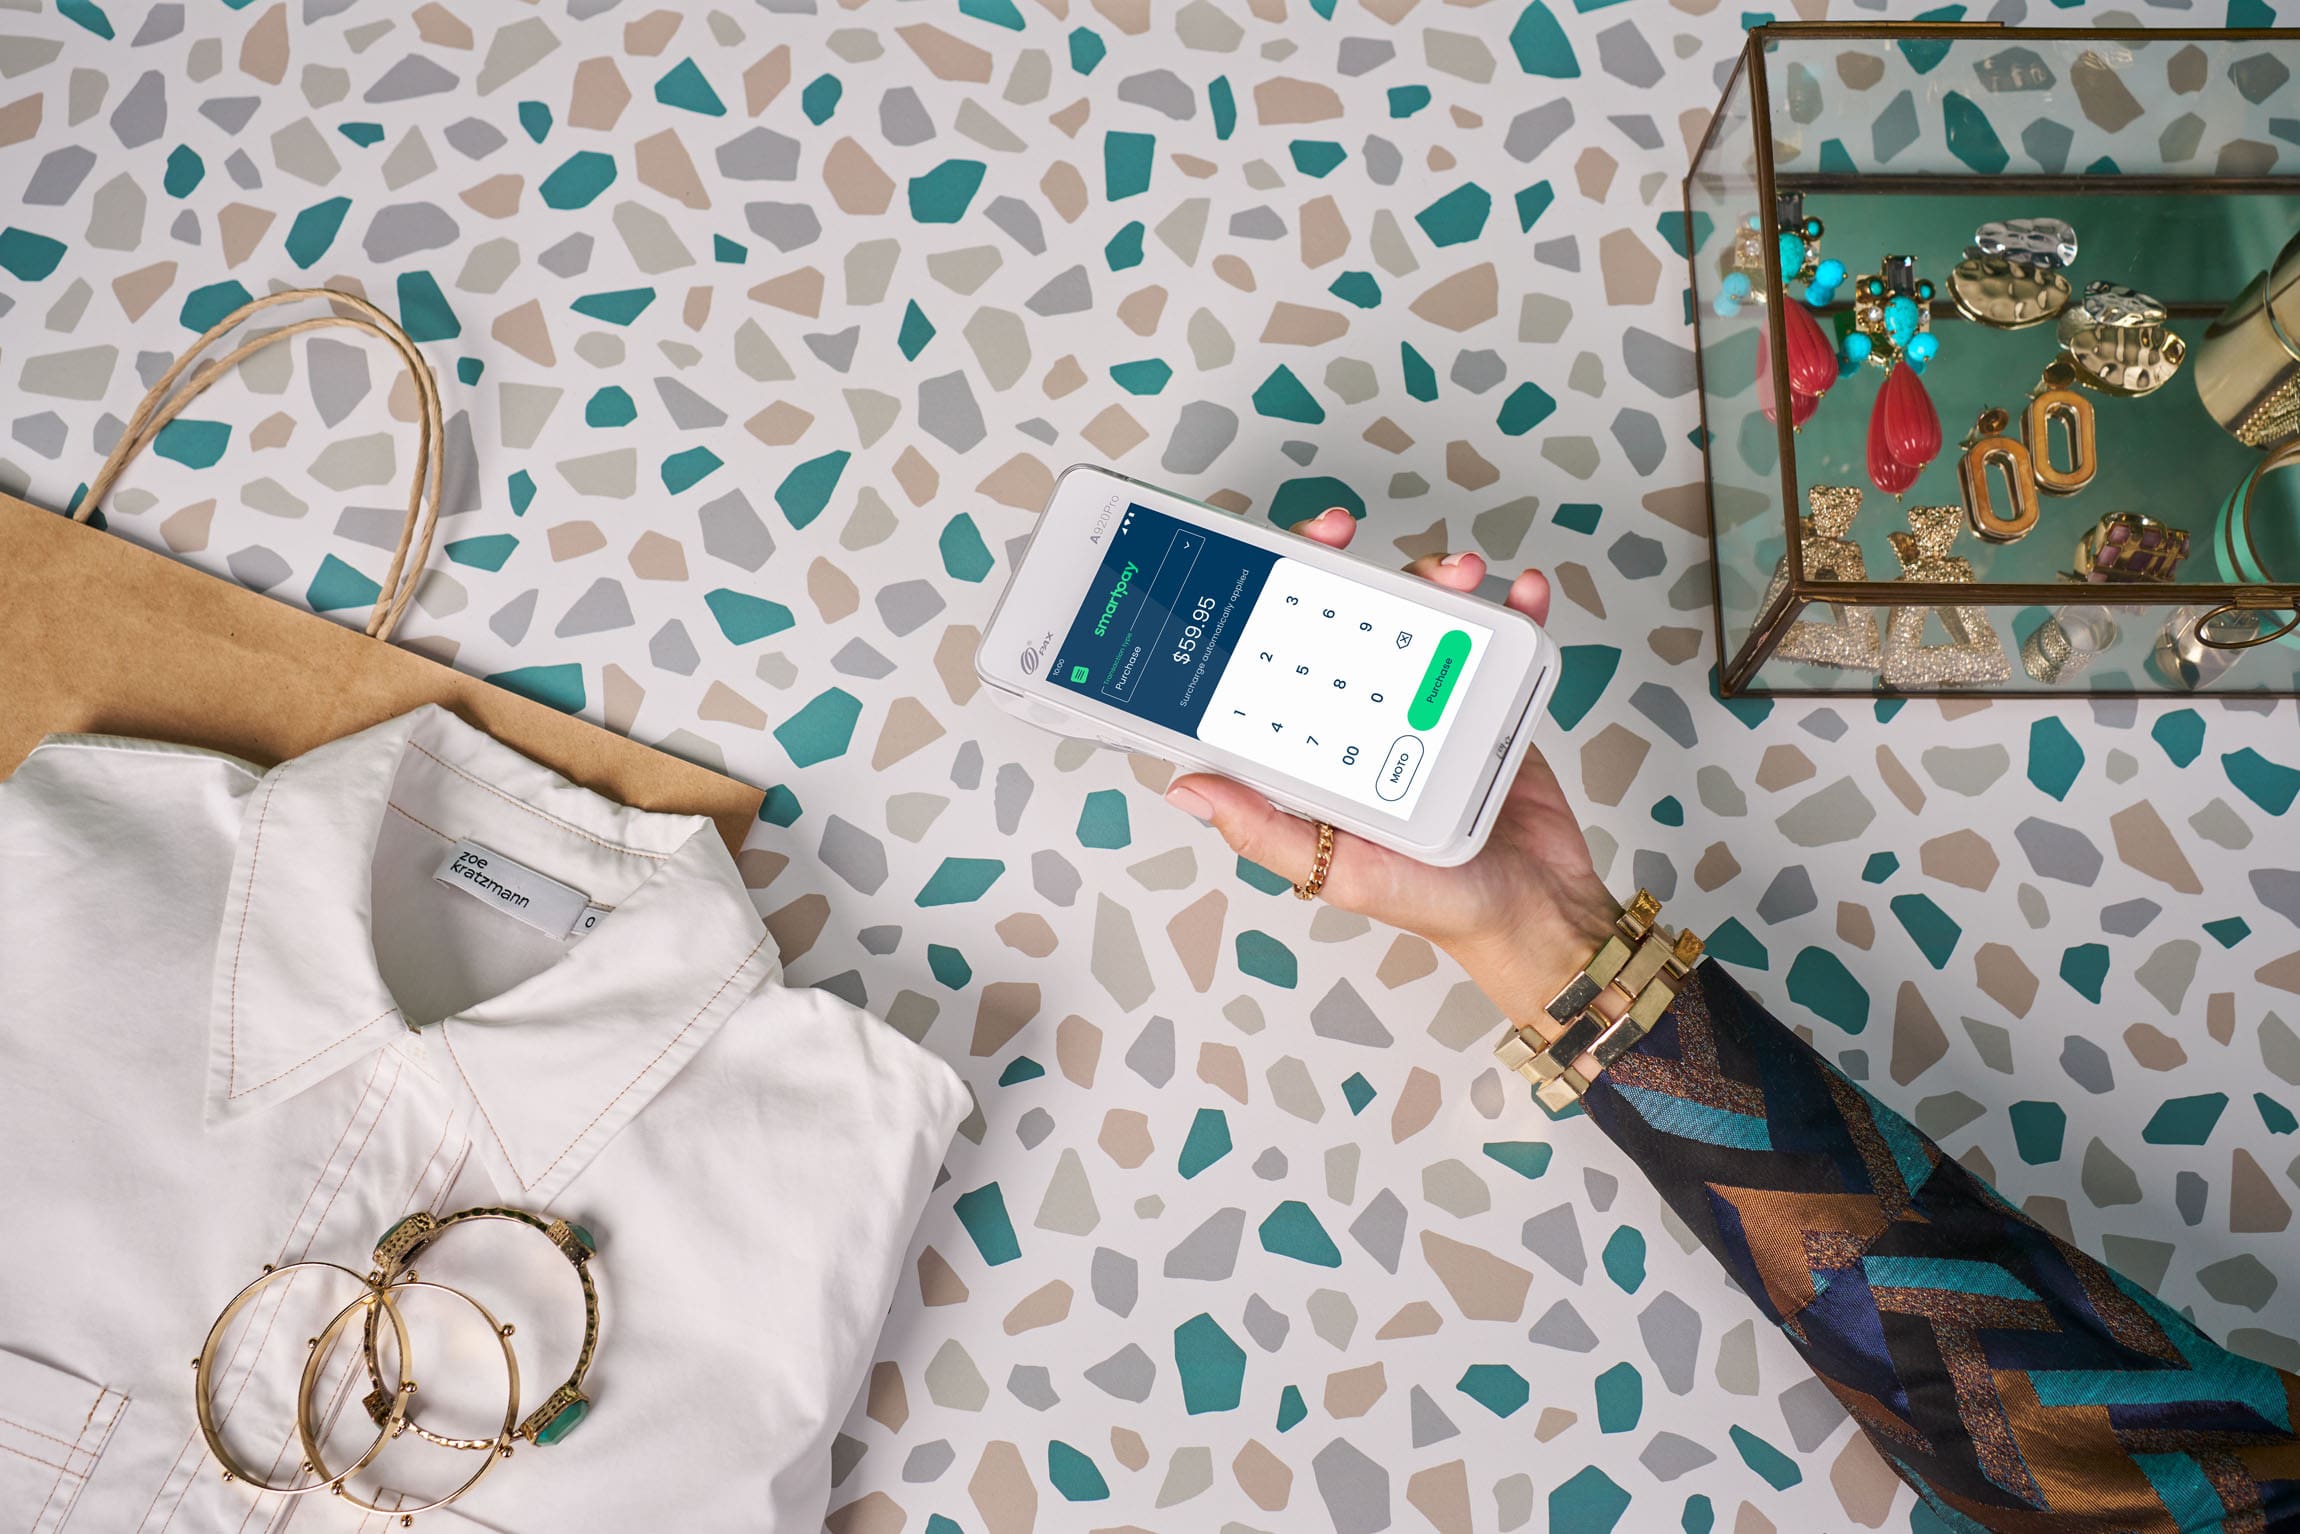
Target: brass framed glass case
{"type": "Point", "coordinates": [2035, 230]}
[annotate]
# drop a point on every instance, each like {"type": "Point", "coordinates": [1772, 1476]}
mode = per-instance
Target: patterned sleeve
{"type": "Point", "coordinates": [2015, 1382]}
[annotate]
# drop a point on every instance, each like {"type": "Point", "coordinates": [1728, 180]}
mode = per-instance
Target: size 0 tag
{"type": "Point", "coordinates": [556, 910]}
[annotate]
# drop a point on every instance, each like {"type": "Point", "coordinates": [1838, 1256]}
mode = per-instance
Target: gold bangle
{"type": "Point", "coordinates": [1641, 963]}
{"type": "Point", "coordinates": [564, 1409]}
{"type": "Point", "coordinates": [335, 1480]}
{"type": "Point", "coordinates": [387, 1426]}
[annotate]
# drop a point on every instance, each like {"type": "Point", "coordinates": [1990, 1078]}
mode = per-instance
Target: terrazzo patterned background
{"type": "Point", "coordinates": [764, 333]}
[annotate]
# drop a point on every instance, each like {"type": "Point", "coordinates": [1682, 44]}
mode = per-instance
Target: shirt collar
{"type": "Point", "coordinates": [547, 1070]}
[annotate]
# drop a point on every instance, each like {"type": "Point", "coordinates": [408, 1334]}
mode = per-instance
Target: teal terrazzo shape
{"type": "Point", "coordinates": [194, 444]}
{"type": "Point", "coordinates": [205, 308]}
{"type": "Point", "coordinates": [916, 331]}
{"type": "Point", "coordinates": [1668, 811]}
{"type": "Point", "coordinates": [88, 14]}
{"type": "Point", "coordinates": [999, 13]}
{"type": "Point", "coordinates": [2185, 1120]}
{"type": "Point", "coordinates": [1127, 159]}
{"type": "Point", "coordinates": [486, 552]}
{"type": "Point", "coordinates": [1405, 100]}
{"type": "Point", "coordinates": [1211, 1365]}
{"type": "Point", "coordinates": [1421, 378]}
{"type": "Point", "coordinates": [1624, 1258]}
{"type": "Point", "coordinates": [1819, 980]}
{"type": "Point", "coordinates": [1620, 1398]}
{"type": "Point", "coordinates": [1222, 104]}
{"type": "Point", "coordinates": [744, 618]}
{"type": "Point", "coordinates": [185, 171]}
{"type": "Point", "coordinates": [559, 687]}
{"type": "Point", "coordinates": [965, 557]}
{"type": "Point", "coordinates": [2271, 785]}
{"type": "Point", "coordinates": [948, 966]}
{"type": "Point", "coordinates": [729, 252]}
{"type": "Point", "coordinates": [1672, 228]}
{"type": "Point", "coordinates": [1928, 926]}
{"type": "Point", "coordinates": [1588, 1502]}
{"type": "Point", "coordinates": [821, 98]}
{"type": "Point", "coordinates": [1532, 202]}
{"type": "Point", "coordinates": [2038, 1129]}
{"type": "Point", "coordinates": [1146, 377]}
{"type": "Point", "coordinates": [1752, 712]}
{"type": "Point", "coordinates": [1357, 1092]}
{"type": "Point", "coordinates": [1971, 137]}
{"type": "Point", "coordinates": [1292, 1409]}
{"type": "Point", "coordinates": [1292, 1230]}
{"type": "Point", "coordinates": [423, 310]}
{"type": "Point", "coordinates": [806, 490]}
{"type": "Point", "coordinates": [1207, 1142]}
{"type": "Point", "coordinates": [1528, 406]}
{"type": "Point", "coordinates": [1880, 867]}
{"type": "Point", "coordinates": [685, 88]}
{"type": "Point", "coordinates": [1584, 671]}
{"type": "Point", "coordinates": [1700, 1515]}
{"type": "Point", "coordinates": [1360, 290]}
{"type": "Point", "coordinates": [1284, 397]}
{"type": "Point", "coordinates": [1578, 516]}
{"type": "Point", "coordinates": [1087, 50]}
{"type": "Point", "coordinates": [1527, 1158]}
{"type": "Point", "coordinates": [780, 807]}
{"type": "Point", "coordinates": [2084, 967]}
{"type": "Point", "coordinates": [960, 881]}
{"type": "Point", "coordinates": [1267, 959]}
{"type": "Point", "coordinates": [365, 135]}
{"type": "Point", "coordinates": [1103, 821]}
{"type": "Point", "coordinates": [2054, 757]}
{"type": "Point", "coordinates": [683, 471]}
{"type": "Point", "coordinates": [1020, 1069]}
{"type": "Point", "coordinates": [1540, 44]}
{"type": "Point", "coordinates": [610, 407]}
{"type": "Point", "coordinates": [578, 181]}
{"type": "Point", "coordinates": [1777, 1470]}
{"type": "Point", "coordinates": [30, 257]}
{"type": "Point", "coordinates": [619, 307]}
{"type": "Point", "coordinates": [1496, 1387]}
{"type": "Point", "coordinates": [2181, 735]}
{"type": "Point", "coordinates": [1073, 1474]}
{"type": "Point", "coordinates": [943, 194]}
{"type": "Point", "coordinates": [1458, 217]}
{"type": "Point", "coordinates": [468, 369]}
{"type": "Point", "coordinates": [1317, 157]}
{"type": "Point", "coordinates": [2228, 931]}
{"type": "Point", "coordinates": [822, 729]}
{"type": "Point", "coordinates": [1925, 54]}
{"type": "Point", "coordinates": [1732, 943]}
{"type": "Point", "coordinates": [315, 229]}
{"type": "Point", "coordinates": [336, 586]}
{"type": "Point", "coordinates": [1124, 252]}
{"type": "Point", "coordinates": [983, 1213]}
{"type": "Point", "coordinates": [936, 1523]}
{"type": "Point", "coordinates": [535, 120]}
{"type": "Point", "coordinates": [1262, 878]}
{"type": "Point", "coordinates": [1304, 497]}
{"type": "Point", "coordinates": [522, 487]}
{"type": "Point", "coordinates": [2277, 1118]}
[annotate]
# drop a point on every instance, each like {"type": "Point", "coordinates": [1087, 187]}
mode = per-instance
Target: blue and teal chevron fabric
{"type": "Point", "coordinates": [2014, 1381]}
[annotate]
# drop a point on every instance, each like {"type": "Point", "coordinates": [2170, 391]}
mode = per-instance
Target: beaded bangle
{"type": "Point", "coordinates": [1642, 964]}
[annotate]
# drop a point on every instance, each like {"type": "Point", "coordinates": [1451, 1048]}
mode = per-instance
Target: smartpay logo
{"type": "Point", "coordinates": [471, 868]}
{"type": "Point", "coordinates": [1117, 595]}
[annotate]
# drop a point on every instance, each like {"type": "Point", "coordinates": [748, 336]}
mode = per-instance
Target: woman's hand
{"type": "Point", "coordinates": [1521, 917]}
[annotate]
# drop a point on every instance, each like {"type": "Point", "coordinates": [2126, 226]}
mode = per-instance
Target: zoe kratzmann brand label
{"type": "Point", "coordinates": [556, 910]}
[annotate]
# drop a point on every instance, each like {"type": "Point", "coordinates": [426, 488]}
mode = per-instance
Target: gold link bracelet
{"type": "Point", "coordinates": [1641, 963]}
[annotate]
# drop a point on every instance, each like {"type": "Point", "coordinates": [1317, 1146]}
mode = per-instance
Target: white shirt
{"type": "Point", "coordinates": [242, 1021]}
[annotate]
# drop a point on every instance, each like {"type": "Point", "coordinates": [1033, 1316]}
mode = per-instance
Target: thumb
{"type": "Point", "coordinates": [1255, 828]}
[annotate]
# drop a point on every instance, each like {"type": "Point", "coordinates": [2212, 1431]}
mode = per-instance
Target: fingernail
{"type": "Point", "coordinates": [1190, 803]}
{"type": "Point", "coordinates": [1327, 516]}
{"type": "Point", "coordinates": [1452, 560]}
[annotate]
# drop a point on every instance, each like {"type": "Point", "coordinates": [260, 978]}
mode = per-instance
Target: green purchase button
{"type": "Point", "coordinates": [1437, 682]}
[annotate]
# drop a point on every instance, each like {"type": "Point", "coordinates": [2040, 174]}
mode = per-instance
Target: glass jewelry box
{"type": "Point", "coordinates": [1997, 338]}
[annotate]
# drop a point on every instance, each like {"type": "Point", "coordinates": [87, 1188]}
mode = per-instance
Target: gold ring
{"type": "Point", "coordinates": [1308, 888]}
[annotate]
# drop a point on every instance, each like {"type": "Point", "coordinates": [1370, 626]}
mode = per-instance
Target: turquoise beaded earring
{"type": "Point", "coordinates": [1799, 255]}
